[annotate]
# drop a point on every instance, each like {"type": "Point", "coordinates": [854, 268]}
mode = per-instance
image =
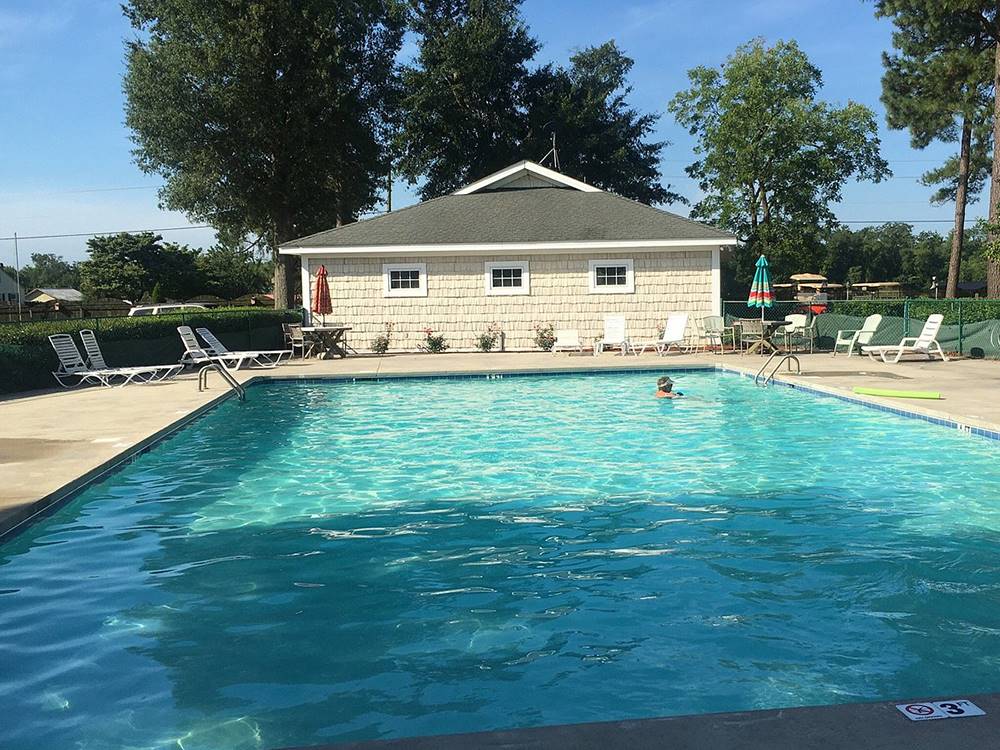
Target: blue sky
{"type": "Point", "coordinates": [66, 167]}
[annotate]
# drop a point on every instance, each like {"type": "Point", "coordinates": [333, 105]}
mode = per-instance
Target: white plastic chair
{"type": "Point", "coordinates": [714, 331]}
{"type": "Point", "coordinates": [614, 335]}
{"type": "Point", "coordinates": [926, 344]}
{"type": "Point", "coordinates": [567, 339]}
{"type": "Point", "coordinates": [673, 336]}
{"type": "Point", "coordinates": [859, 338]}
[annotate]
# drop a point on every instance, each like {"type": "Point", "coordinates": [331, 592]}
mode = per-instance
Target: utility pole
{"type": "Point", "coordinates": [17, 277]}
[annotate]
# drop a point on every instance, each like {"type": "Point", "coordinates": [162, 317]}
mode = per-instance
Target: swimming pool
{"type": "Point", "coordinates": [336, 561]}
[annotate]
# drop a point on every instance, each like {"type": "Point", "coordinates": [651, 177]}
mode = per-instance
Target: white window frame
{"type": "Point", "coordinates": [507, 291]}
{"type": "Point", "coordinates": [627, 288]}
{"type": "Point", "coordinates": [420, 291]}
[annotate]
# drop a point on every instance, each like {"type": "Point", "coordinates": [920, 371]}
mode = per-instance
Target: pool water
{"type": "Point", "coordinates": [343, 561]}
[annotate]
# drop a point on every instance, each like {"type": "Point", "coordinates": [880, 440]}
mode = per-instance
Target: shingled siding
{"type": "Point", "coordinates": [458, 306]}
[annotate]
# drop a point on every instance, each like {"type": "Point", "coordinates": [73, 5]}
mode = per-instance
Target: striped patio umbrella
{"type": "Point", "coordinates": [321, 304]}
{"type": "Point", "coordinates": [760, 291]}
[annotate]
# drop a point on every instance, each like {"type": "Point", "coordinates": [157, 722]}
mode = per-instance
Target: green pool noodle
{"type": "Point", "coordinates": [895, 394]}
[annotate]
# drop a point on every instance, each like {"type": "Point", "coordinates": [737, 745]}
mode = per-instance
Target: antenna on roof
{"type": "Point", "coordinates": [553, 152]}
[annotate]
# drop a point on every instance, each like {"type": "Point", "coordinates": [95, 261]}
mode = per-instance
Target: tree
{"type": "Point", "coordinates": [771, 157]}
{"type": "Point", "coordinates": [50, 270]}
{"type": "Point", "coordinates": [266, 119]}
{"type": "Point", "coordinates": [128, 266]}
{"type": "Point", "coordinates": [600, 138]}
{"type": "Point", "coordinates": [938, 92]}
{"type": "Point", "coordinates": [954, 25]}
{"type": "Point", "coordinates": [229, 272]}
{"type": "Point", "coordinates": [463, 111]}
{"type": "Point", "coordinates": [472, 106]}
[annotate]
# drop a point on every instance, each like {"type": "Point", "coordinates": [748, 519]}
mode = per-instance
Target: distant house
{"type": "Point", "coordinates": [525, 245]}
{"type": "Point", "coordinates": [54, 295]}
{"type": "Point", "coordinates": [8, 286]}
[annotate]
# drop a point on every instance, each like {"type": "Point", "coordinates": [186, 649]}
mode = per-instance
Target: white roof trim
{"type": "Point", "coordinates": [526, 167]}
{"type": "Point", "coordinates": [519, 248]}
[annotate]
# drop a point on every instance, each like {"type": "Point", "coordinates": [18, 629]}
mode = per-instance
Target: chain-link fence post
{"type": "Point", "coordinates": [906, 318]}
{"type": "Point", "coordinates": [961, 330]}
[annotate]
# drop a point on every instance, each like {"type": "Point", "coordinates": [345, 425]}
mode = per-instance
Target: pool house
{"type": "Point", "coordinates": [523, 246]}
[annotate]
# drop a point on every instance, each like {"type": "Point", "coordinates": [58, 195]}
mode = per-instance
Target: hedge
{"type": "Point", "coordinates": [27, 360]}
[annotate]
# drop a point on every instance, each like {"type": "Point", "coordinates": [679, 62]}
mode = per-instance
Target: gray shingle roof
{"type": "Point", "coordinates": [538, 214]}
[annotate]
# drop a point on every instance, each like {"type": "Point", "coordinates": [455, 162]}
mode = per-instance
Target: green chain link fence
{"type": "Point", "coordinates": [27, 360]}
{"type": "Point", "coordinates": [971, 326]}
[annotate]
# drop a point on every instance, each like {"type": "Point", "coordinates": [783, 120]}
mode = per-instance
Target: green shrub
{"type": "Point", "coordinates": [27, 360]}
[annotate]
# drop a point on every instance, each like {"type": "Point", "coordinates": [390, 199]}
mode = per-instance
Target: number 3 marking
{"type": "Point", "coordinates": [952, 708]}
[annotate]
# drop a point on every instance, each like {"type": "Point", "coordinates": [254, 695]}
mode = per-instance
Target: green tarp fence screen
{"type": "Point", "coordinates": [971, 326]}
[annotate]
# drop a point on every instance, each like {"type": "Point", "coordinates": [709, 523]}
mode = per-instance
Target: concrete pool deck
{"type": "Point", "coordinates": [54, 441]}
{"type": "Point", "coordinates": [856, 726]}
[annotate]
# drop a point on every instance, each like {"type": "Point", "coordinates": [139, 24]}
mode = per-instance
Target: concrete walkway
{"type": "Point", "coordinates": [54, 441]}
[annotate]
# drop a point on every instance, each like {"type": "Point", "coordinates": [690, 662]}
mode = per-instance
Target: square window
{"type": "Point", "coordinates": [507, 278]}
{"type": "Point", "coordinates": [612, 277]}
{"type": "Point", "coordinates": [409, 279]}
{"type": "Point", "coordinates": [404, 279]}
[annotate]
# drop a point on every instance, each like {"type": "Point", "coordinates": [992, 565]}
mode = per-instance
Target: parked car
{"type": "Point", "coordinates": [162, 309]}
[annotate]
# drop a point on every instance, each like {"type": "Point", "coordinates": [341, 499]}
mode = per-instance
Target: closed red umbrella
{"type": "Point", "coordinates": [321, 304]}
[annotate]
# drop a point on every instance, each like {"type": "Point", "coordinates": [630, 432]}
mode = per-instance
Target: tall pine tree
{"type": "Point", "coordinates": [953, 26]}
{"type": "Point", "coordinates": [939, 92]}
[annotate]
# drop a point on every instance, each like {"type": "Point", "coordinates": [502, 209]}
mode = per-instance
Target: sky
{"type": "Point", "coordinates": [65, 155]}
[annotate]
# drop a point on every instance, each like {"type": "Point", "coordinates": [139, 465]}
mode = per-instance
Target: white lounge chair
{"type": "Point", "coordinates": [73, 367]}
{"type": "Point", "coordinates": [926, 344]}
{"type": "Point", "coordinates": [196, 354]}
{"type": "Point", "coordinates": [567, 339]}
{"type": "Point", "coordinates": [614, 335]}
{"type": "Point", "coordinates": [139, 373]}
{"type": "Point", "coordinates": [859, 338]}
{"type": "Point", "coordinates": [266, 358]}
{"type": "Point", "coordinates": [673, 336]}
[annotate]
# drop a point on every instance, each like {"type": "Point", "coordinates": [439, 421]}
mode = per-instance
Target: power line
{"type": "Point", "coordinates": [81, 190]}
{"type": "Point", "coordinates": [100, 234]}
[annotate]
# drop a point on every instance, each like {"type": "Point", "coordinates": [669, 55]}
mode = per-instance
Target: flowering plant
{"type": "Point", "coordinates": [488, 340]}
{"type": "Point", "coordinates": [435, 344]}
{"type": "Point", "coordinates": [545, 336]}
{"type": "Point", "coordinates": [380, 344]}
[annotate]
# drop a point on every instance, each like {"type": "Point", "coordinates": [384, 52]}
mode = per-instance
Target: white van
{"type": "Point", "coordinates": [162, 309]}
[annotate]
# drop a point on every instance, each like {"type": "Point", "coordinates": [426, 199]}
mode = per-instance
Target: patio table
{"type": "Point", "coordinates": [330, 340]}
{"type": "Point", "coordinates": [766, 344]}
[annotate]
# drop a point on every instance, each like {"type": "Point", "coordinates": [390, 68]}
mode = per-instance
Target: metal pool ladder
{"type": "Point", "coordinates": [234, 384]}
{"type": "Point", "coordinates": [761, 379]}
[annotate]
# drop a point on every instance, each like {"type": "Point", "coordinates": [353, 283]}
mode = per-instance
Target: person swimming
{"type": "Point", "coordinates": [665, 388]}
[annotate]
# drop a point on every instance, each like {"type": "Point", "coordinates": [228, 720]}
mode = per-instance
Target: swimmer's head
{"type": "Point", "coordinates": [665, 384]}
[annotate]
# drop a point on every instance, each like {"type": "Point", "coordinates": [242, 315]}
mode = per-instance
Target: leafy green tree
{"type": "Point", "coordinates": [463, 110]}
{"type": "Point", "coordinates": [601, 139]}
{"type": "Point", "coordinates": [129, 266]}
{"type": "Point", "coordinates": [939, 92]}
{"type": "Point", "coordinates": [771, 157]}
{"type": "Point", "coordinates": [954, 26]}
{"type": "Point", "coordinates": [50, 270]}
{"type": "Point", "coordinates": [266, 119]}
{"type": "Point", "coordinates": [472, 105]}
{"type": "Point", "coordinates": [229, 272]}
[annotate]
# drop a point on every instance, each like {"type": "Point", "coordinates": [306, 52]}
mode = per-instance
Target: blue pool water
{"type": "Point", "coordinates": [344, 561]}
